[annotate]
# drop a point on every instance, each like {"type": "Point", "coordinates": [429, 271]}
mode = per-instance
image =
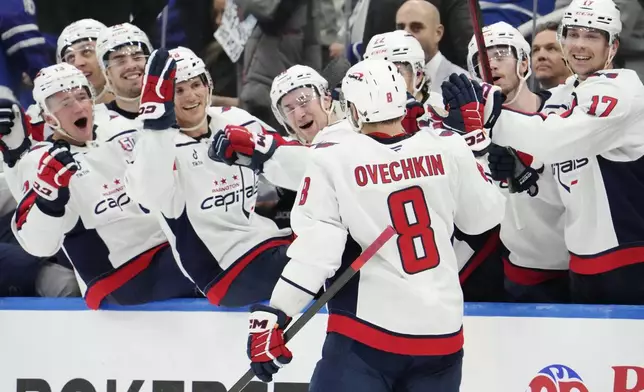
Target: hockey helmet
{"type": "Point", "coordinates": [399, 47]}
{"type": "Point", "coordinates": [602, 15]}
{"type": "Point", "coordinates": [84, 29]}
{"type": "Point", "coordinates": [57, 78]}
{"type": "Point", "coordinates": [500, 34]}
{"type": "Point", "coordinates": [377, 90]}
{"type": "Point", "coordinates": [115, 37]}
{"type": "Point", "coordinates": [297, 76]}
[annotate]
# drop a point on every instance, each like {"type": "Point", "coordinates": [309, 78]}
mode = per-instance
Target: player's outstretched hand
{"type": "Point", "coordinates": [415, 110]}
{"type": "Point", "coordinates": [13, 132]}
{"type": "Point", "coordinates": [236, 145]}
{"type": "Point", "coordinates": [157, 96]}
{"type": "Point", "coordinates": [266, 348]}
{"type": "Point", "coordinates": [55, 171]}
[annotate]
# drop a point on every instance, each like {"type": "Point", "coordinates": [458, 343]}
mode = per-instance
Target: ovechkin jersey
{"type": "Point", "coordinates": [407, 299]}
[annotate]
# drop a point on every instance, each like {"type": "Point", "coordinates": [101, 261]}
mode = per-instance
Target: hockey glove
{"type": "Point", "coordinates": [480, 105]}
{"type": "Point", "coordinates": [465, 112]}
{"type": "Point", "coordinates": [14, 142]}
{"type": "Point", "coordinates": [236, 145]}
{"type": "Point", "coordinates": [507, 164]}
{"type": "Point", "coordinates": [414, 111]}
{"type": "Point", "coordinates": [55, 170]}
{"type": "Point", "coordinates": [266, 348]}
{"type": "Point", "coordinates": [157, 96]}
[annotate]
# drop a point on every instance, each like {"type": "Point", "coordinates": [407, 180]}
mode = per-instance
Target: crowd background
{"type": "Point", "coordinates": [288, 32]}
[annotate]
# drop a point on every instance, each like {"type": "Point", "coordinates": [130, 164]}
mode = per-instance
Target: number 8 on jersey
{"type": "Point", "coordinates": [410, 217]}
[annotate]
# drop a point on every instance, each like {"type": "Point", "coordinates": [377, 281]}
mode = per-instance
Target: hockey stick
{"type": "Point", "coordinates": [324, 298]}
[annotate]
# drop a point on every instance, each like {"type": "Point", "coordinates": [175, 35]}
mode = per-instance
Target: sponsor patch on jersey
{"type": "Point", "coordinates": [196, 160]}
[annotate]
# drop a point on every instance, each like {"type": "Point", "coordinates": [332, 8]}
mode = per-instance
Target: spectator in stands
{"type": "Point", "coordinates": [286, 34]}
{"type": "Point", "coordinates": [23, 50]}
{"type": "Point", "coordinates": [331, 19]}
{"type": "Point", "coordinates": [422, 20]}
{"type": "Point", "coordinates": [548, 64]}
{"type": "Point", "coordinates": [455, 14]}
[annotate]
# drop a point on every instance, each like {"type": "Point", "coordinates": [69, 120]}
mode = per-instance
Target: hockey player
{"type": "Point", "coordinates": [474, 253]}
{"type": "Point", "coordinates": [233, 255]}
{"type": "Point", "coordinates": [397, 325]}
{"type": "Point", "coordinates": [303, 105]}
{"type": "Point", "coordinates": [536, 261]}
{"type": "Point", "coordinates": [595, 150]}
{"type": "Point", "coordinates": [122, 51]}
{"type": "Point", "coordinates": [73, 196]}
{"type": "Point", "coordinates": [77, 46]}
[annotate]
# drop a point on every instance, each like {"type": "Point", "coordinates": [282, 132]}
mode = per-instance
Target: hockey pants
{"type": "Point", "coordinates": [350, 366]}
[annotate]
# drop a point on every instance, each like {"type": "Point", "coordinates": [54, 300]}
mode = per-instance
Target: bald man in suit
{"type": "Point", "coordinates": [454, 14]}
{"type": "Point", "coordinates": [421, 19]}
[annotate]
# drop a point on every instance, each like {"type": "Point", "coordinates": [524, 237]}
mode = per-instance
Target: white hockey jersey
{"type": "Point", "coordinates": [208, 206]}
{"type": "Point", "coordinates": [533, 228]}
{"type": "Point", "coordinates": [595, 149]}
{"type": "Point", "coordinates": [407, 299]}
{"type": "Point", "coordinates": [106, 235]}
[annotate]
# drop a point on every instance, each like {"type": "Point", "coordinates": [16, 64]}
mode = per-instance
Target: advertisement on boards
{"type": "Point", "coordinates": [204, 351]}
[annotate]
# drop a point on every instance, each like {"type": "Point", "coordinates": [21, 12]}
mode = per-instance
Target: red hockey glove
{"type": "Point", "coordinates": [157, 96]}
{"type": "Point", "coordinates": [55, 171]}
{"type": "Point", "coordinates": [14, 142]}
{"type": "Point", "coordinates": [236, 145]}
{"type": "Point", "coordinates": [266, 348]}
{"type": "Point", "coordinates": [414, 111]}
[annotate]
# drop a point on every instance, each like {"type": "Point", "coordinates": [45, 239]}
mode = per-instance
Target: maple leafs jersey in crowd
{"type": "Point", "coordinates": [208, 206]}
{"type": "Point", "coordinates": [407, 298]}
{"type": "Point", "coordinates": [595, 150]}
{"type": "Point", "coordinates": [105, 234]}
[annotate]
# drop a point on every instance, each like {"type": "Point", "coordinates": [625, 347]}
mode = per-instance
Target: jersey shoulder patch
{"type": "Point", "coordinates": [446, 133]}
{"type": "Point", "coordinates": [323, 145]}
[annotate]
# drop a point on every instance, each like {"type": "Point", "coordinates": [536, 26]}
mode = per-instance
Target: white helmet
{"type": "Point", "coordinates": [56, 78]}
{"type": "Point", "coordinates": [399, 46]}
{"type": "Point", "coordinates": [189, 66]}
{"type": "Point", "coordinates": [594, 14]}
{"type": "Point", "coordinates": [84, 29]}
{"type": "Point", "coordinates": [376, 89]}
{"type": "Point", "coordinates": [114, 37]}
{"type": "Point", "coordinates": [293, 78]}
{"type": "Point", "coordinates": [501, 33]}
